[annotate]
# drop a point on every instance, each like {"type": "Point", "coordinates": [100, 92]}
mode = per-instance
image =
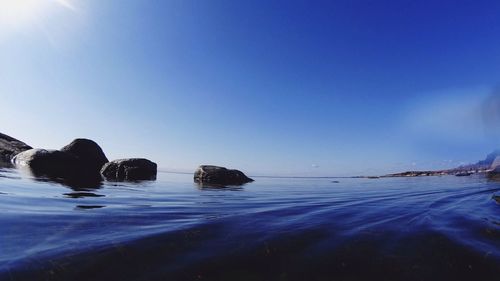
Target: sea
{"type": "Point", "coordinates": [414, 228]}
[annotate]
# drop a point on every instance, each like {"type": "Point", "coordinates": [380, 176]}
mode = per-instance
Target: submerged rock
{"type": "Point", "coordinates": [129, 170]}
{"type": "Point", "coordinates": [10, 146]}
{"type": "Point", "coordinates": [88, 152]}
{"type": "Point", "coordinates": [52, 163]}
{"type": "Point", "coordinates": [215, 175]}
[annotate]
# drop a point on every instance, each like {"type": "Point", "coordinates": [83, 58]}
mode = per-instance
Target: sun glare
{"type": "Point", "coordinates": [19, 12]}
{"type": "Point", "coordinates": [14, 12]}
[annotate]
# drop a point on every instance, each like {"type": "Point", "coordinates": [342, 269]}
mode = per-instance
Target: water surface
{"type": "Point", "coordinates": [425, 228]}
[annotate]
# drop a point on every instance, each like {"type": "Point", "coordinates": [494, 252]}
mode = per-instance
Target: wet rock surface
{"type": "Point", "coordinates": [215, 175]}
{"type": "Point", "coordinates": [89, 153]}
{"type": "Point", "coordinates": [130, 169]}
{"type": "Point", "coordinates": [10, 146]}
{"type": "Point", "coordinates": [80, 164]}
{"type": "Point", "coordinates": [52, 163]}
{"type": "Point", "coordinates": [77, 164]}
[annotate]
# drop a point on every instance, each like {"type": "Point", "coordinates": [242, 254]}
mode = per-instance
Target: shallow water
{"type": "Point", "coordinates": [426, 228]}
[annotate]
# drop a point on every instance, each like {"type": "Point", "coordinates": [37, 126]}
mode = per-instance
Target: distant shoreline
{"type": "Point", "coordinates": [277, 177]}
{"type": "Point", "coordinates": [451, 172]}
{"type": "Point", "coordinates": [481, 167]}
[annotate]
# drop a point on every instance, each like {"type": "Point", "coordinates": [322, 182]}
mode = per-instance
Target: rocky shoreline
{"type": "Point", "coordinates": [489, 166]}
{"type": "Point", "coordinates": [80, 163]}
{"type": "Point", "coordinates": [83, 163]}
{"type": "Point", "coordinates": [436, 173]}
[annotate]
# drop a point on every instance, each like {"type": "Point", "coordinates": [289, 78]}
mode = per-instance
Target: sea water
{"type": "Point", "coordinates": [419, 228]}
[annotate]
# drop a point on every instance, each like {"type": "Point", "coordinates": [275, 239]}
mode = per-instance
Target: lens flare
{"type": "Point", "coordinates": [15, 13]}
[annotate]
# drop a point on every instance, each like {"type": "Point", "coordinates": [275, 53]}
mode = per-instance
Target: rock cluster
{"type": "Point", "coordinates": [83, 163]}
{"type": "Point", "coordinates": [82, 160]}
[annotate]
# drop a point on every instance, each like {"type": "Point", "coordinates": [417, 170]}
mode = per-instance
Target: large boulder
{"type": "Point", "coordinates": [77, 164]}
{"type": "Point", "coordinates": [215, 175]}
{"type": "Point", "coordinates": [10, 146]}
{"type": "Point", "coordinates": [52, 163]}
{"type": "Point", "coordinates": [88, 152]}
{"type": "Point", "coordinates": [131, 169]}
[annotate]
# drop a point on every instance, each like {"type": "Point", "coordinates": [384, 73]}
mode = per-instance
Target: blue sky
{"type": "Point", "coordinates": [269, 87]}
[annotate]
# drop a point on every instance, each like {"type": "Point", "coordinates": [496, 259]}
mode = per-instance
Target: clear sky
{"type": "Point", "coordinates": [268, 87]}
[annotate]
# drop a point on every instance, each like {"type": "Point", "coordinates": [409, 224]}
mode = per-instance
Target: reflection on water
{"type": "Point", "coordinates": [426, 228]}
{"type": "Point", "coordinates": [76, 183]}
{"type": "Point", "coordinates": [8, 173]}
{"type": "Point", "coordinates": [210, 186]}
{"type": "Point", "coordinates": [89, 206]}
{"type": "Point", "coordinates": [82, 194]}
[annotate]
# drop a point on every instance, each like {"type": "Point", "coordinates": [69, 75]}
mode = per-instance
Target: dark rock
{"type": "Point", "coordinates": [214, 175]}
{"type": "Point", "coordinates": [89, 153]}
{"type": "Point", "coordinates": [9, 147]}
{"type": "Point", "coordinates": [51, 163]}
{"type": "Point", "coordinates": [57, 166]}
{"type": "Point", "coordinates": [129, 170]}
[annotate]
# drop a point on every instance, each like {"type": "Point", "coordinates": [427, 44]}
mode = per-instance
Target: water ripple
{"type": "Point", "coordinates": [435, 228]}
